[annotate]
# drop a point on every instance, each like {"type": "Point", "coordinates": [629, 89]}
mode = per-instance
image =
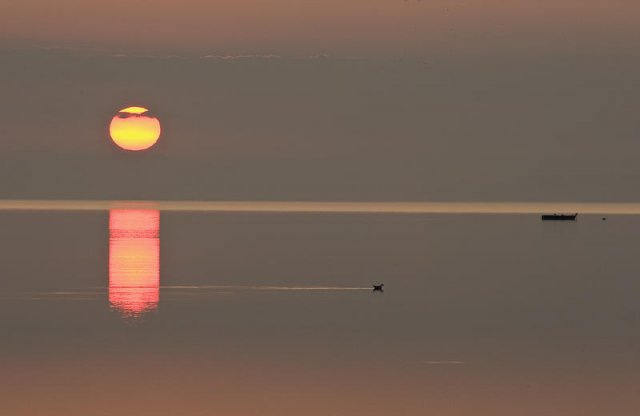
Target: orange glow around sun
{"type": "Point", "coordinates": [133, 128]}
{"type": "Point", "coordinates": [134, 261]}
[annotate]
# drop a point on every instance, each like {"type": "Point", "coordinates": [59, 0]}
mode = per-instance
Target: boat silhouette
{"type": "Point", "coordinates": [559, 217]}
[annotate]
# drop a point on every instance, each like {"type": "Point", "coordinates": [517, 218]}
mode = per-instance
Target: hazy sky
{"type": "Point", "coordinates": [273, 99]}
{"type": "Point", "coordinates": [353, 27]}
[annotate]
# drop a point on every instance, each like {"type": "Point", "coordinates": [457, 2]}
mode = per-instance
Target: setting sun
{"type": "Point", "coordinates": [133, 128]}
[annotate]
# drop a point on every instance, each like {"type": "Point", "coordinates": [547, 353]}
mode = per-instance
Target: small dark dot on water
{"type": "Point", "coordinates": [604, 218]}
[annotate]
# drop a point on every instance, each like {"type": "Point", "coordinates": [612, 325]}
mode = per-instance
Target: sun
{"type": "Point", "coordinates": [134, 128]}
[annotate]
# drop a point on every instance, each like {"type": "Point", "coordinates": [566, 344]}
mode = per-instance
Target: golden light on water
{"type": "Point", "coordinates": [134, 261]}
{"type": "Point", "coordinates": [134, 128]}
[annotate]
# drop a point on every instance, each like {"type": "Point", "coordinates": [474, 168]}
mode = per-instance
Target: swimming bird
{"type": "Point", "coordinates": [378, 288]}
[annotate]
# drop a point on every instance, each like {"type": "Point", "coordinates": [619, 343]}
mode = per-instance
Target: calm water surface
{"type": "Point", "coordinates": [143, 312]}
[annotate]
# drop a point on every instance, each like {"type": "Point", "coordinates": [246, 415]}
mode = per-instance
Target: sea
{"type": "Point", "coordinates": [149, 308]}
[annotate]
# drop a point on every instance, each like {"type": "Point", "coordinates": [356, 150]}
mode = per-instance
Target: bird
{"type": "Point", "coordinates": [378, 288]}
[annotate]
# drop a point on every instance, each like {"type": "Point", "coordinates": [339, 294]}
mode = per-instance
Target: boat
{"type": "Point", "coordinates": [559, 217]}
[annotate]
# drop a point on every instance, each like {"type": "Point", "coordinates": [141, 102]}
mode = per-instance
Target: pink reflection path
{"type": "Point", "coordinates": [134, 261]}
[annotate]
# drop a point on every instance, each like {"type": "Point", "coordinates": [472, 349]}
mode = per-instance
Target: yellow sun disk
{"type": "Point", "coordinates": [134, 110]}
{"type": "Point", "coordinates": [135, 132]}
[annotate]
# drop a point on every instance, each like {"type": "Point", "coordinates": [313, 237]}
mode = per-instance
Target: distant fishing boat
{"type": "Point", "coordinates": [559, 217]}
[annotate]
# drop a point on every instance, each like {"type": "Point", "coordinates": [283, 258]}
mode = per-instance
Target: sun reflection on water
{"type": "Point", "coordinates": [134, 261]}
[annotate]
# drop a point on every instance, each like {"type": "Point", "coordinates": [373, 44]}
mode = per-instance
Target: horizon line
{"type": "Point", "coordinates": [372, 207]}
